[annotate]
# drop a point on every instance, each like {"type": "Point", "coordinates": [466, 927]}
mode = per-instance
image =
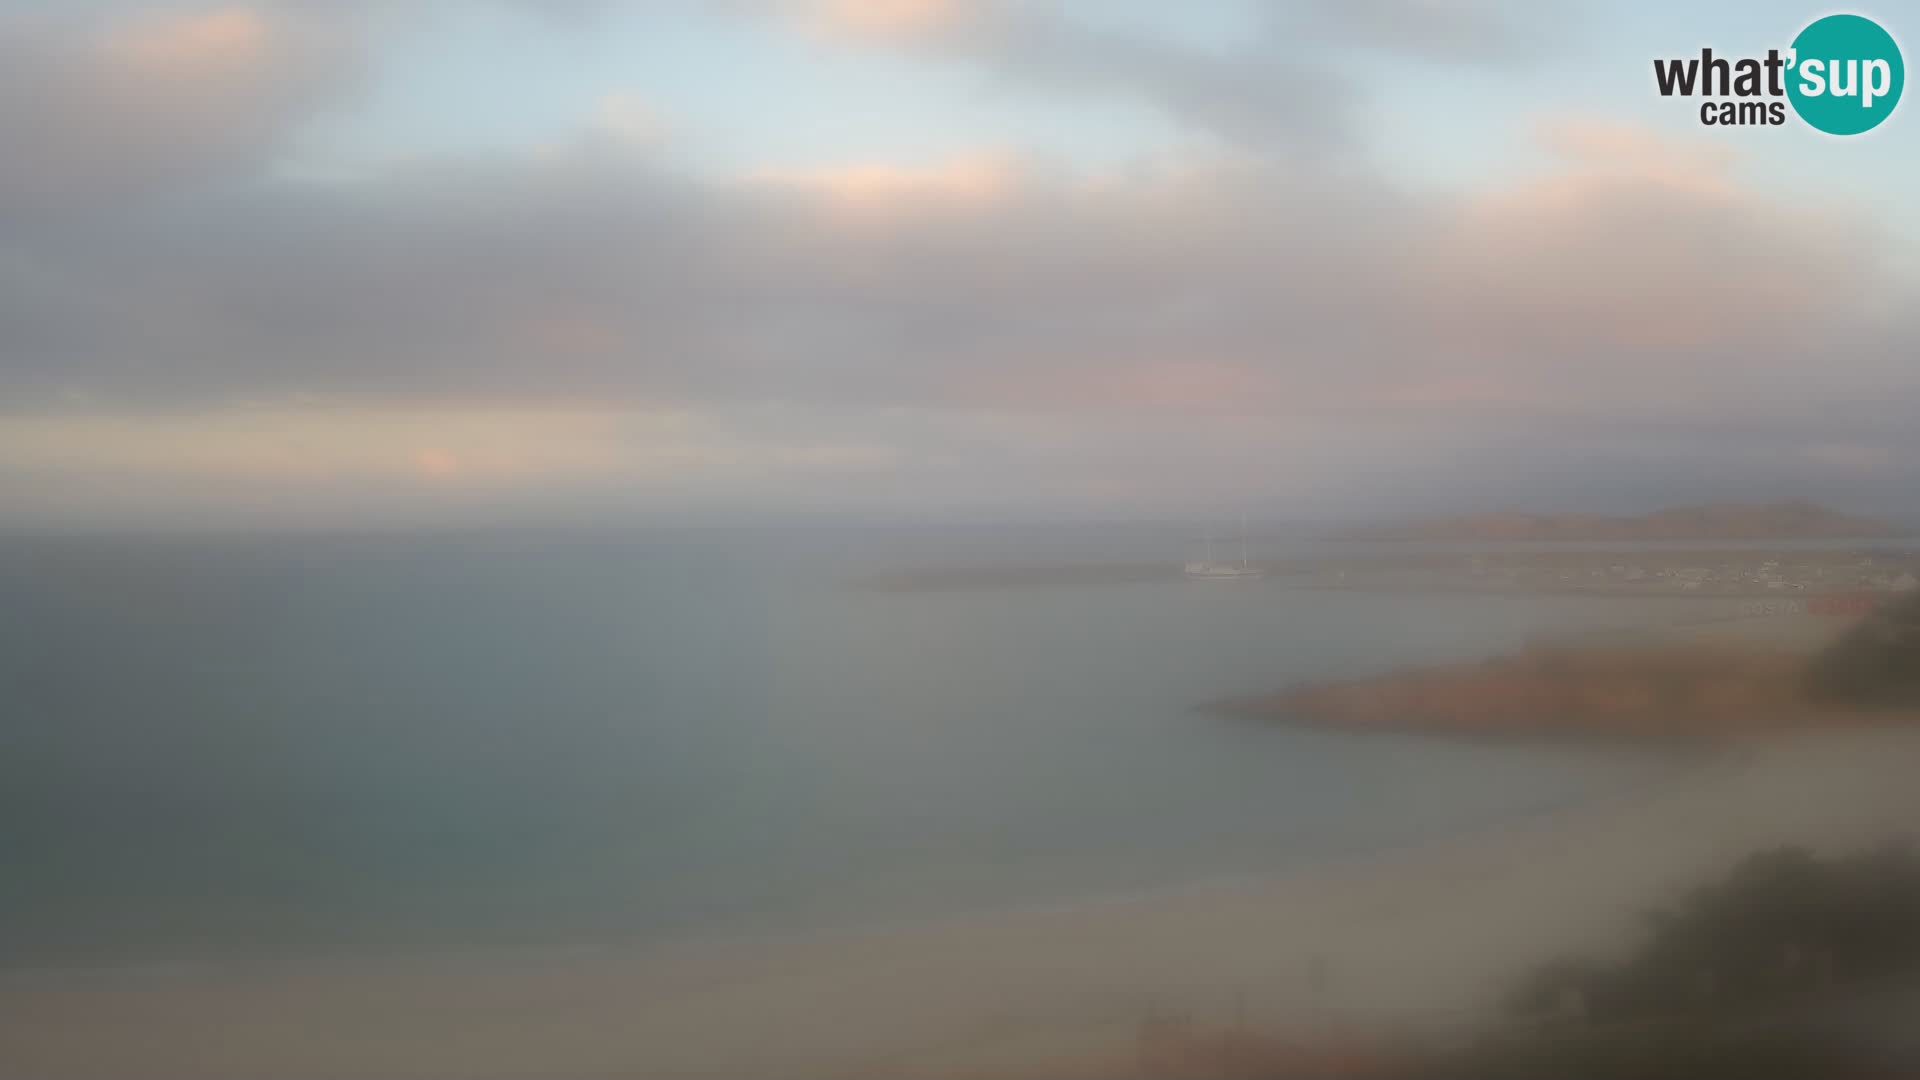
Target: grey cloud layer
{"type": "Point", "coordinates": [142, 271]}
{"type": "Point", "coordinates": [1249, 287]}
{"type": "Point", "coordinates": [94, 112]}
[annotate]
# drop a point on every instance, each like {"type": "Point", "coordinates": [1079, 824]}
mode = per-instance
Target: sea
{"type": "Point", "coordinates": [223, 748]}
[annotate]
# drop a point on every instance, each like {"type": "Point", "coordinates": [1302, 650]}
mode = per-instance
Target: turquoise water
{"type": "Point", "coordinates": [241, 746]}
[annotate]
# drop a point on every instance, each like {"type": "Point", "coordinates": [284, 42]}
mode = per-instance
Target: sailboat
{"type": "Point", "coordinates": [1210, 570]}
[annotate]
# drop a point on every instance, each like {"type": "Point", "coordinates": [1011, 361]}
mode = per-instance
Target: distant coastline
{"type": "Point", "coordinates": [1658, 693]}
{"type": "Point", "coordinates": [1794, 519]}
{"type": "Point", "coordinates": [1812, 577]}
{"type": "Point", "coordinates": [1706, 682]}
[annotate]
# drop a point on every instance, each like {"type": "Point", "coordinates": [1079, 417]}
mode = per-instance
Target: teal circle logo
{"type": "Point", "coordinates": [1846, 74]}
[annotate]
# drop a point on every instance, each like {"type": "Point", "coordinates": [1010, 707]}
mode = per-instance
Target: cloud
{"type": "Point", "coordinates": [1282, 90]}
{"type": "Point", "coordinates": [631, 119]}
{"type": "Point", "coordinates": [100, 110]}
{"type": "Point", "coordinates": [599, 314]}
{"type": "Point", "coordinates": [888, 20]}
{"type": "Point", "coordinates": [1250, 95]}
{"type": "Point", "coordinates": [884, 188]}
{"type": "Point", "coordinates": [1647, 263]}
{"type": "Point", "coordinates": [1851, 456]}
{"type": "Point", "coordinates": [1450, 31]}
{"type": "Point", "coordinates": [1621, 279]}
{"type": "Point", "coordinates": [348, 453]}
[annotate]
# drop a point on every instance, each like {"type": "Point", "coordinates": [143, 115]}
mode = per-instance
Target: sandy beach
{"type": "Point", "coordinates": [1411, 942]}
{"type": "Point", "coordinates": [958, 540]}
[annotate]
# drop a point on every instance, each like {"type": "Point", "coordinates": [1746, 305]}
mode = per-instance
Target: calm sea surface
{"type": "Point", "coordinates": [215, 747]}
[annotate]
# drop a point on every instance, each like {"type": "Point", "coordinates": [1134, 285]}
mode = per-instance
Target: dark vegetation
{"type": "Point", "coordinates": [1790, 967]}
{"type": "Point", "coordinates": [1877, 663]}
{"type": "Point", "coordinates": [1784, 925]}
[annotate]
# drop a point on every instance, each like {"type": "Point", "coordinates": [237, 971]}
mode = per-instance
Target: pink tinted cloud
{"type": "Point", "coordinates": [118, 107]}
{"type": "Point", "coordinates": [1635, 244]}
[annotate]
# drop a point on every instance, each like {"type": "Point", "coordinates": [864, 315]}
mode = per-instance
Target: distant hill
{"type": "Point", "coordinates": [1795, 519]}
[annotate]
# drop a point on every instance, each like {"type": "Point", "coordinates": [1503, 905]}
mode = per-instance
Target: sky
{"type": "Point", "coordinates": [346, 262]}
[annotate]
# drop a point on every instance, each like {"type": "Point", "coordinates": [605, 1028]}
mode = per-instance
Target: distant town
{"type": "Point", "coordinates": [1781, 574]}
{"type": "Point", "coordinates": [1798, 553]}
{"type": "Point", "coordinates": [1787, 519]}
